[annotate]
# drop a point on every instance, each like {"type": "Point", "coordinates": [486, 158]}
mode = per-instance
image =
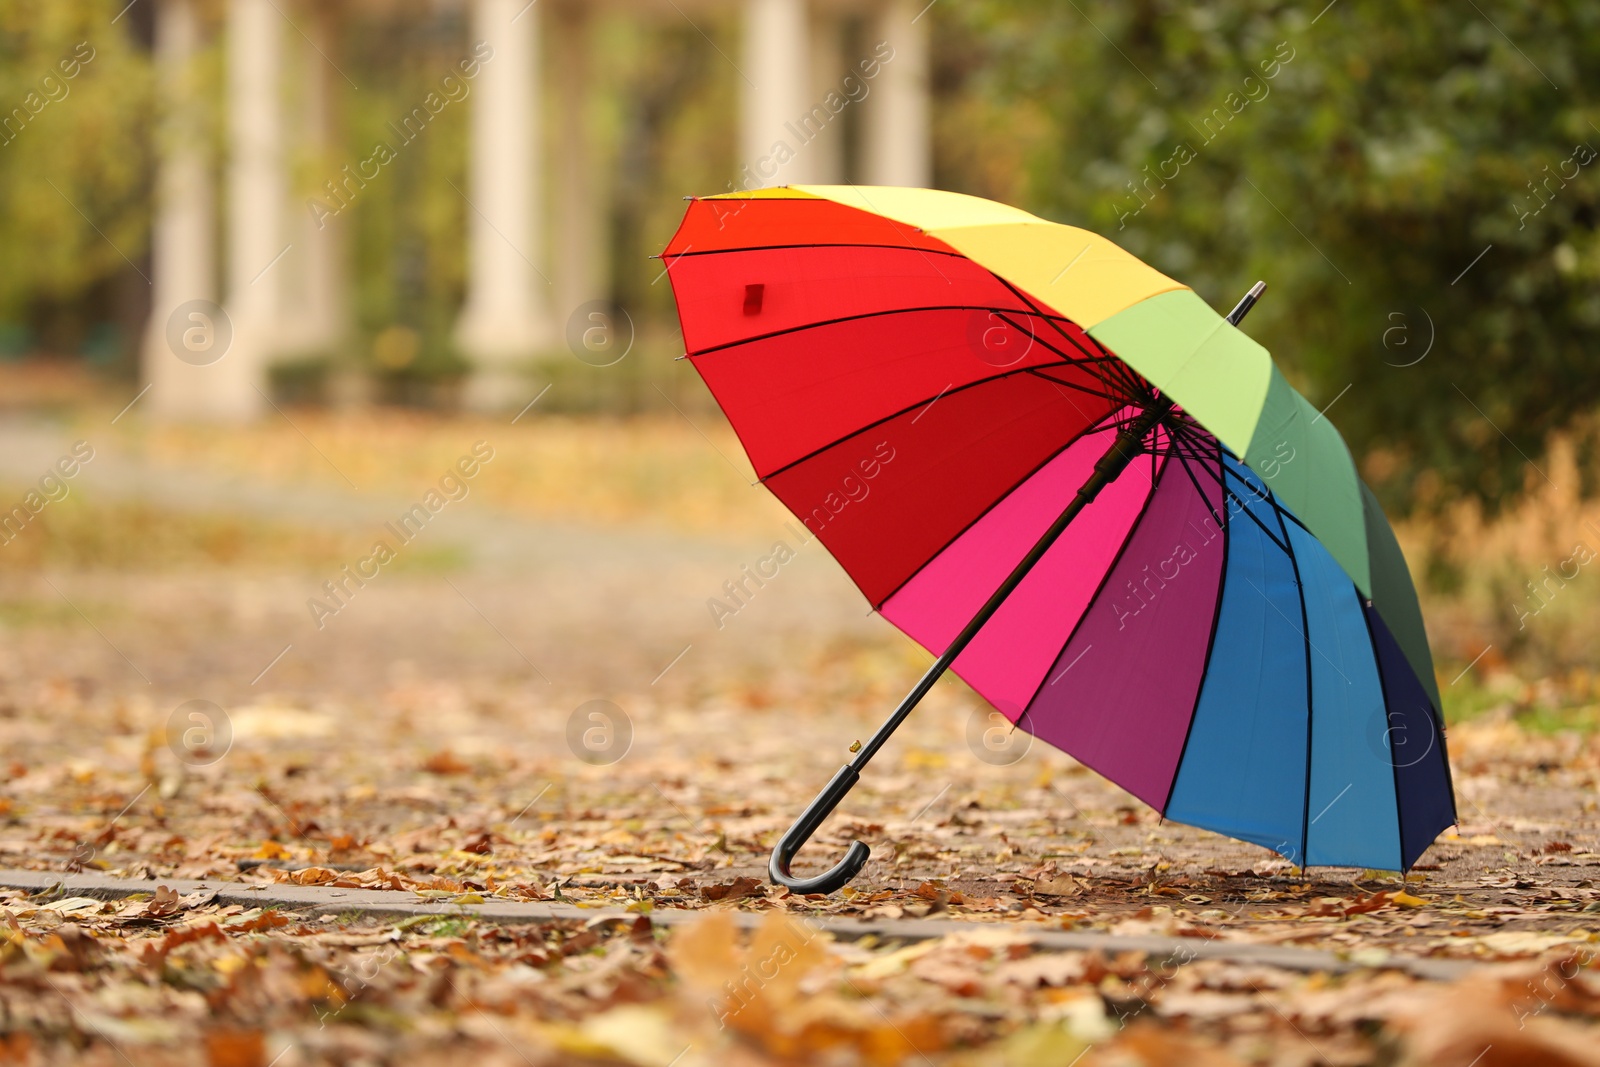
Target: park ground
{"type": "Point", "coordinates": [534, 701]}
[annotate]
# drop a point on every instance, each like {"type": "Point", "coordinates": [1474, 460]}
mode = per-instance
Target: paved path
{"type": "Point", "coordinates": [395, 905]}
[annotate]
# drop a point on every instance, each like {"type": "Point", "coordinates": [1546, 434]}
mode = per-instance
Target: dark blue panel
{"type": "Point", "coordinates": [1416, 744]}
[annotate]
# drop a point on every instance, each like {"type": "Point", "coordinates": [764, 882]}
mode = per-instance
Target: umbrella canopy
{"type": "Point", "coordinates": [1227, 629]}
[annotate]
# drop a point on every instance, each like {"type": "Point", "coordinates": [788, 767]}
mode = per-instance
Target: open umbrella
{"type": "Point", "coordinates": [1090, 495]}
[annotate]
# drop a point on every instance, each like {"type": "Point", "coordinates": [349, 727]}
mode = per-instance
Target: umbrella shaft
{"type": "Point", "coordinates": [1127, 447]}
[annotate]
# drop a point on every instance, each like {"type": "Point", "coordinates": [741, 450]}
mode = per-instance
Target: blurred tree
{"type": "Point", "coordinates": [1419, 184]}
{"type": "Point", "coordinates": [75, 141]}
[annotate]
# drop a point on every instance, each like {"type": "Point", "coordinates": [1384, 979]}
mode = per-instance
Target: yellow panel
{"type": "Point", "coordinates": [1080, 274]}
{"type": "Point", "coordinates": [926, 209]}
{"type": "Point", "coordinates": [772, 192]}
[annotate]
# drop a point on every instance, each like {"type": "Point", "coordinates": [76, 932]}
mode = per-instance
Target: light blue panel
{"type": "Point", "coordinates": [1244, 769]}
{"type": "Point", "coordinates": [1353, 815]}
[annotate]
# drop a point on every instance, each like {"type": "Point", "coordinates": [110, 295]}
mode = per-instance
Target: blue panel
{"type": "Point", "coordinates": [1354, 819]}
{"type": "Point", "coordinates": [1416, 745]}
{"type": "Point", "coordinates": [1243, 771]}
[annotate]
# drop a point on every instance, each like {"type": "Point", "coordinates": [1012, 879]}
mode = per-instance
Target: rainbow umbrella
{"type": "Point", "coordinates": [1093, 497]}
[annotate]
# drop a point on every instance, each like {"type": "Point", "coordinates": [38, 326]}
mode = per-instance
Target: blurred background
{"type": "Point", "coordinates": [280, 263]}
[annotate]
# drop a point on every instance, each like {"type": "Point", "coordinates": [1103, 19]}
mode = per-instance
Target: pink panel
{"type": "Point", "coordinates": [1008, 659]}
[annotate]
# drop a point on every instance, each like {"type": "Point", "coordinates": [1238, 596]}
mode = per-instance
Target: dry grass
{"type": "Point", "coordinates": [652, 470]}
{"type": "Point", "coordinates": [1521, 588]}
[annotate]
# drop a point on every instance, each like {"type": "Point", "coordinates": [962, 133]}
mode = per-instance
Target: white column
{"type": "Point", "coordinates": [898, 136]}
{"type": "Point", "coordinates": [578, 265]}
{"type": "Point", "coordinates": [506, 320]}
{"type": "Point", "coordinates": [315, 268]}
{"type": "Point", "coordinates": [257, 196]}
{"type": "Point", "coordinates": [183, 267]}
{"type": "Point", "coordinates": [776, 70]}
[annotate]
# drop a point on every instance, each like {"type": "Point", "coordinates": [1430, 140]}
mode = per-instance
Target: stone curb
{"type": "Point", "coordinates": [397, 905]}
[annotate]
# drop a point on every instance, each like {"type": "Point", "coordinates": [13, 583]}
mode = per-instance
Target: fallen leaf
{"type": "Point", "coordinates": [738, 889]}
{"type": "Point", "coordinates": [165, 902]}
{"type": "Point", "coordinates": [235, 1048]}
{"type": "Point", "coordinates": [1057, 885]}
{"type": "Point", "coordinates": [445, 762]}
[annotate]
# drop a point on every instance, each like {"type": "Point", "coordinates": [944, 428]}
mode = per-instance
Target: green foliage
{"type": "Point", "coordinates": [74, 150]}
{"type": "Point", "coordinates": [1392, 143]}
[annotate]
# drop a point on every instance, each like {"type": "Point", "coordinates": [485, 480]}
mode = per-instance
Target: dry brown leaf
{"type": "Point", "coordinates": [165, 902]}
{"type": "Point", "coordinates": [1490, 1022]}
{"type": "Point", "coordinates": [1155, 1047]}
{"type": "Point", "coordinates": [738, 889]}
{"type": "Point", "coordinates": [235, 1048]}
{"type": "Point", "coordinates": [445, 762]}
{"type": "Point", "coordinates": [1057, 885]}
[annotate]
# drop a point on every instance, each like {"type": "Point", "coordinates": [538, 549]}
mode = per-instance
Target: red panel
{"type": "Point", "coordinates": [715, 225]}
{"type": "Point", "coordinates": [800, 286]}
{"type": "Point", "coordinates": [790, 395]}
{"type": "Point", "coordinates": [888, 499]}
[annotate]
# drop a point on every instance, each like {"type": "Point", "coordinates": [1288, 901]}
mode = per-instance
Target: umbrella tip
{"type": "Point", "coordinates": [1242, 308]}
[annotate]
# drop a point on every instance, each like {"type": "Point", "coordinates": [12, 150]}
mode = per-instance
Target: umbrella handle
{"type": "Point", "coordinates": [806, 825]}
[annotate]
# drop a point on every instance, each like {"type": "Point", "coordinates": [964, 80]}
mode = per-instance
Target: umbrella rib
{"type": "Point", "coordinates": [1243, 506]}
{"type": "Point", "coordinates": [1211, 642]}
{"type": "Point", "coordinates": [1219, 516]}
{"type": "Point", "coordinates": [810, 244]}
{"type": "Point", "coordinates": [924, 402]}
{"type": "Point", "coordinates": [1284, 513]}
{"type": "Point", "coordinates": [1394, 765]}
{"type": "Point", "coordinates": [1126, 377]}
{"type": "Point", "coordinates": [1040, 372]}
{"type": "Point", "coordinates": [1305, 635]}
{"type": "Point", "coordinates": [1085, 360]}
{"type": "Point", "coordinates": [880, 313]}
{"type": "Point", "coordinates": [1190, 443]}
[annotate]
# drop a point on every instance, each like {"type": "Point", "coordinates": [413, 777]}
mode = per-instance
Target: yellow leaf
{"type": "Point", "coordinates": [76, 906]}
{"type": "Point", "coordinates": [781, 954]}
{"type": "Point", "coordinates": [229, 964]}
{"type": "Point", "coordinates": [893, 963]}
{"type": "Point", "coordinates": [1403, 899]}
{"type": "Point", "coordinates": [706, 954]}
{"type": "Point", "coordinates": [640, 1034]}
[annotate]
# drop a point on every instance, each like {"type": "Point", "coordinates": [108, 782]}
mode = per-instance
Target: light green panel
{"type": "Point", "coordinates": [1194, 355]}
{"type": "Point", "coordinates": [1306, 464]}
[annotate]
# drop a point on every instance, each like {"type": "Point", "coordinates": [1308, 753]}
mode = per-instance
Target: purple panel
{"type": "Point", "coordinates": [1121, 694]}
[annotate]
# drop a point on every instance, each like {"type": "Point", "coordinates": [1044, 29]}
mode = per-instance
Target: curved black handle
{"type": "Point", "coordinates": [806, 825]}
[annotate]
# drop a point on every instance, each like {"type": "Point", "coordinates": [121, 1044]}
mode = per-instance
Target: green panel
{"type": "Point", "coordinates": [1195, 356]}
{"type": "Point", "coordinates": [1306, 464]}
{"type": "Point", "coordinates": [1394, 597]}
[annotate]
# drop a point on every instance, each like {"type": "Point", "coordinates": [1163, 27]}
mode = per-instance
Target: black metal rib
{"type": "Point", "coordinates": [1211, 641]}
